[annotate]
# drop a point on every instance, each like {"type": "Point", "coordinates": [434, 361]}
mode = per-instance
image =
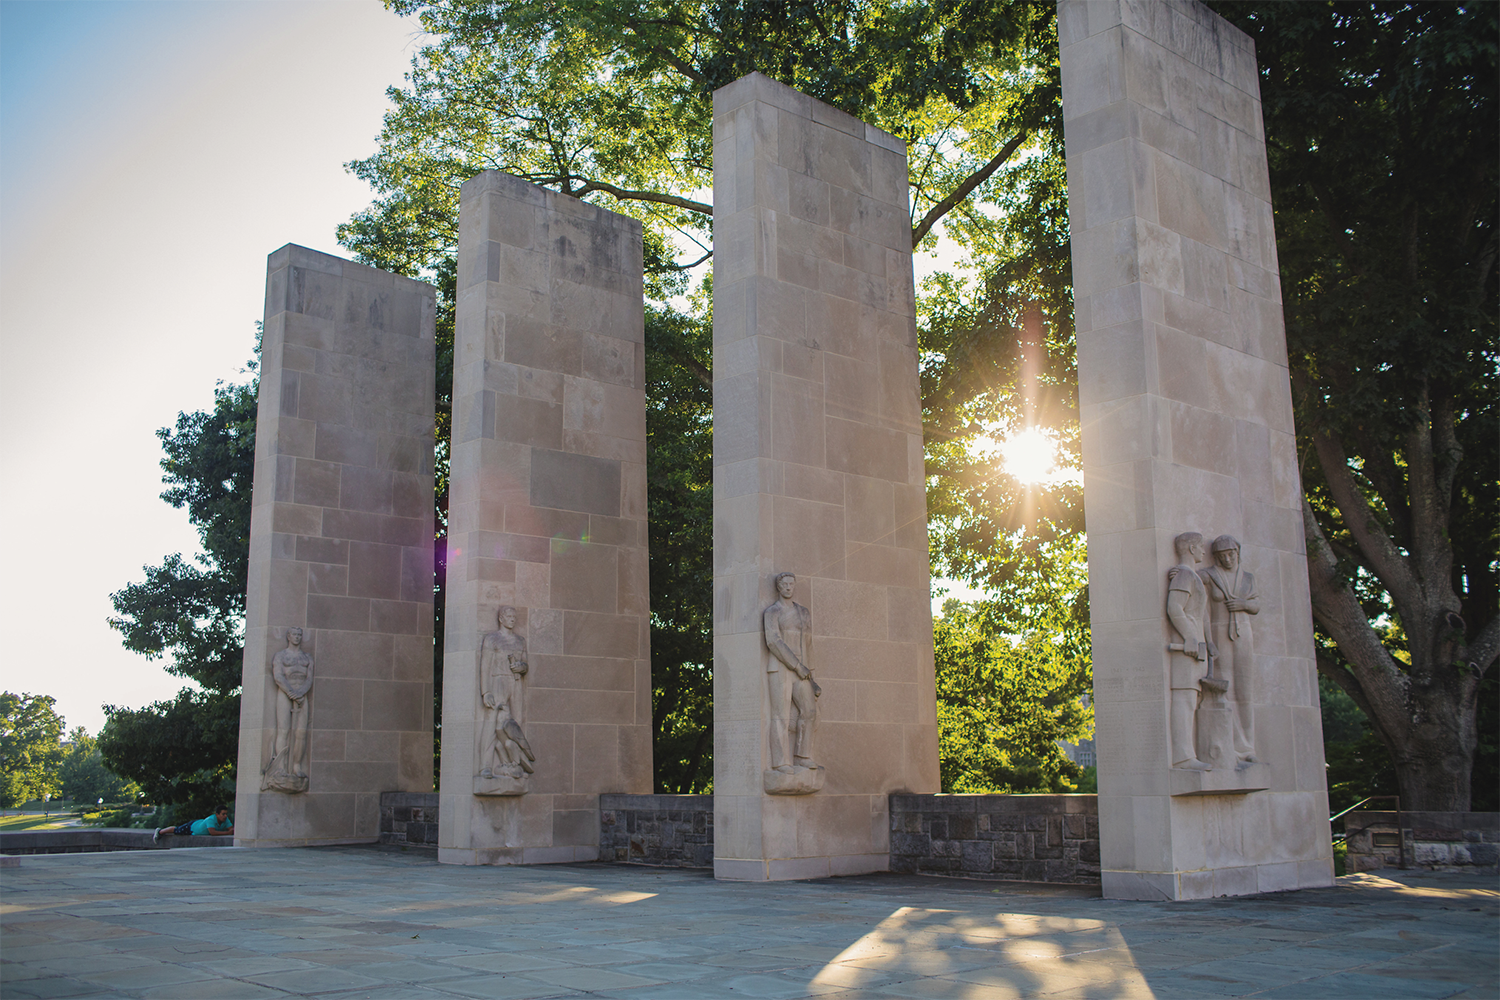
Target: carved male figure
{"type": "Point", "coordinates": [292, 670]}
{"type": "Point", "coordinates": [794, 693]}
{"type": "Point", "coordinates": [1232, 599]}
{"type": "Point", "coordinates": [502, 665]}
{"type": "Point", "coordinates": [1187, 608]}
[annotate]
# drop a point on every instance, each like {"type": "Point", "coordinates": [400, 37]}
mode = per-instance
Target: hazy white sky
{"type": "Point", "coordinates": [151, 156]}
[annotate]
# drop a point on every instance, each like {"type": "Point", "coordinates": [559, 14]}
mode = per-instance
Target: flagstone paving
{"type": "Point", "coordinates": [360, 922]}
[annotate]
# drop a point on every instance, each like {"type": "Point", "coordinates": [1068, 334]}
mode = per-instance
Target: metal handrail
{"type": "Point", "coordinates": [1400, 831]}
{"type": "Point", "coordinates": [1369, 798]}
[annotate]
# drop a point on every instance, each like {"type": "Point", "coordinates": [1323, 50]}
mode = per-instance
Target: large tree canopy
{"type": "Point", "coordinates": [1381, 123]}
{"type": "Point", "coordinates": [85, 778]}
{"type": "Point", "coordinates": [612, 103]}
{"type": "Point", "coordinates": [30, 751]}
{"type": "Point", "coordinates": [183, 750]}
{"type": "Point", "coordinates": [1381, 126]}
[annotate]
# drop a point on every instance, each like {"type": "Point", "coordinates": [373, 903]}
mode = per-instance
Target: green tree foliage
{"type": "Point", "coordinates": [1381, 123]}
{"type": "Point", "coordinates": [85, 778]}
{"type": "Point", "coordinates": [30, 748]}
{"type": "Point", "coordinates": [183, 750]}
{"type": "Point", "coordinates": [1358, 764]}
{"type": "Point", "coordinates": [1012, 682]}
{"type": "Point", "coordinates": [679, 454]}
{"type": "Point", "coordinates": [612, 103]}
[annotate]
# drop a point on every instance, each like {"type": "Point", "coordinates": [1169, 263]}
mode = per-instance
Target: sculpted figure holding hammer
{"type": "Point", "coordinates": [794, 693]}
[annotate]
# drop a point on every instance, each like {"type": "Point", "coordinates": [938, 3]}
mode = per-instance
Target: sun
{"type": "Point", "coordinates": [1030, 455]}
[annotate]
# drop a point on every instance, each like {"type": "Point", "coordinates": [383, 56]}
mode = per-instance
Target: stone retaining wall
{"type": "Point", "coordinates": [1031, 838]}
{"type": "Point", "coordinates": [1435, 840]}
{"type": "Point", "coordinates": [409, 819]}
{"type": "Point", "coordinates": [675, 831]}
{"type": "Point", "coordinates": [94, 840]}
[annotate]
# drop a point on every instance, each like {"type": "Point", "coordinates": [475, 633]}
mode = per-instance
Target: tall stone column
{"type": "Point", "coordinates": [818, 471]}
{"type": "Point", "coordinates": [337, 703]}
{"type": "Point", "coordinates": [546, 517]}
{"type": "Point", "coordinates": [1190, 463]}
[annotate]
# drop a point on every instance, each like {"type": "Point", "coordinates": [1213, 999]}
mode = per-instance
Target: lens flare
{"type": "Point", "coordinates": [1030, 456]}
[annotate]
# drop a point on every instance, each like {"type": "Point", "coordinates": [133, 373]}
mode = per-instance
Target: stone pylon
{"type": "Point", "coordinates": [818, 471]}
{"type": "Point", "coordinates": [341, 551]}
{"type": "Point", "coordinates": [547, 516]}
{"type": "Point", "coordinates": [1187, 434]}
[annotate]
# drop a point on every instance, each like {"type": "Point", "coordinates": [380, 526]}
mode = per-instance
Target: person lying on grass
{"type": "Point", "coordinates": [217, 825]}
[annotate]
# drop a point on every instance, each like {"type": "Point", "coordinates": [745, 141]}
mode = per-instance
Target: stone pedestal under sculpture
{"type": "Point", "coordinates": [547, 670]}
{"type": "Point", "coordinates": [818, 472]}
{"type": "Point", "coordinates": [337, 703]}
{"type": "Point", "coordinates": [1211, 776]}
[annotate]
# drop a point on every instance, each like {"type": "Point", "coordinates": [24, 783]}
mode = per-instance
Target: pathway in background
{"type": "Point", "coordinates": [363, 923]}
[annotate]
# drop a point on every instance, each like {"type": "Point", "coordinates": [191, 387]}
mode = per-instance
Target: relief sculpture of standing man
{"type": "Point", "coordinates": [292, 671]}
{"type": "Point", "coordinates": [506, 758]}
{"type": "Point", "coordinates": [1187, 610]}
{"type": "Point", "coordinates": [793, 692]}
{"type": "Point", "coordinates": [1232, 599]}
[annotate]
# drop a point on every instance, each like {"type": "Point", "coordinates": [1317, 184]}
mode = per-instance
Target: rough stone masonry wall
{"type": "Point", "coordinates": [675, 831]}
{"type": "Point", "coordinates": [409, 819]}
{"type": "Point", "coordinates": [1436, 840]}
{"type": "Point", "coordinates": [1030, 838]}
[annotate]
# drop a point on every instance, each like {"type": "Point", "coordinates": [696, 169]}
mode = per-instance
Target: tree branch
{"type": "Point", "coordinates": [1381, 553]}
{"type": "Point", "coordinates": [696, 367]}
{"type": "Point", "coordinates": [1382, 683]}
{"type": "Point", "coordinates": [689, 267]}
{"type": "Point", "coordinates": [634, 26]}
{"type": "Point", "coordinates": [1346, 680]}
{"type": "Point", "coordinates": [651, 196]}
{"type": "Point", "coordinates": [1484, 264]}
{"type": "Point", "coordinates": [1482, 652]}
{"type": "Point", "coordinates": [961, 192]}
{"type": "Point", "coordinates": [1389, 482]}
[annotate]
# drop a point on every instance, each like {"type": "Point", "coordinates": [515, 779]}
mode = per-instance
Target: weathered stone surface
{"type": "Point", "coordinates": [358, 923]}
{"type": "Point", "coordinates": [341, 548]}
{"type": "Point", "coordinates": [675, 831]}
{"type": "Point", "coordinates": [547, 515]}
{"type": "Point", "coordinates": [1033, 838]}
{"type": "Point", "coordinates": [1187, 427]}
{"type": "Point", "coordinates": [98, 841]}
{"type": "Point", "coordinates": [1430, 840]}
{"type": "Point", "coordinates": [409, 819]}
{"type": "Point", "coordinates": [817, 472]}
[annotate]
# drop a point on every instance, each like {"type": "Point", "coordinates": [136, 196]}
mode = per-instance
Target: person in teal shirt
{"type": "Point", "coordinates": [217, 825]}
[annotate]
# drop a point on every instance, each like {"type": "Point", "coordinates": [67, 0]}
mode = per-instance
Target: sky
{"type": "Point", "coordinates": [152, 154]}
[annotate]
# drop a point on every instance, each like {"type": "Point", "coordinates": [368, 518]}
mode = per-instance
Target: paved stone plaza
{"type": "Point", "coordinates": [359, 922]}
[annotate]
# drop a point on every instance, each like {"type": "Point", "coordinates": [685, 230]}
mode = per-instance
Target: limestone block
{"type": "Point", "coordinates": [547, 522]}
{"type": "Point", "coordinates": [1186, 408]}
{"type": "Point", "coordinates": [337, 703]}
{"type": "Point", "coordinates": [818, 473]}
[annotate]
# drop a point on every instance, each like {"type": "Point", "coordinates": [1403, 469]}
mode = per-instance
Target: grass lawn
{"type": "Point", "coordinates": [35, 821]}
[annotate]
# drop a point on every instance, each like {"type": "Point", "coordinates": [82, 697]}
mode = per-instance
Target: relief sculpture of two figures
{"type": "Point", "coordinates": [1211, 716]}
{"type": "Point", "coordinates": [506, 758]}
{"type": "Point", "coordinates": [292, 672]}
{"type": "Point", "coordinates": [794, 694]}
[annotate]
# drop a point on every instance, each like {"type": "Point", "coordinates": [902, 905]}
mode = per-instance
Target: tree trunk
{"type": "Point", "coordinates": [1434, 756]}
{"type": "Point", "coordinates": [1424, 710]}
